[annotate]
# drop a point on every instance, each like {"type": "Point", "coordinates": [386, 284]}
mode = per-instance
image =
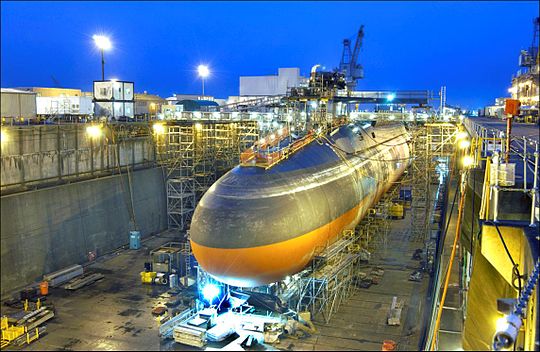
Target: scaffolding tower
{"type": "Point", "coordinates": [180, 183]}
{"type": "Point", "coordinates": [331, 283]}
{"type": "Point", "coordinates": [195, 153]}
{"type": "Point", "coordinates": [419, 182]}
{"type": "Point", "coordinates": [433, 143]}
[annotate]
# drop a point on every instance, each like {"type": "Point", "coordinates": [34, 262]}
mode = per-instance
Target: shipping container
{"type": "Point", "coordinates": [17, 104]}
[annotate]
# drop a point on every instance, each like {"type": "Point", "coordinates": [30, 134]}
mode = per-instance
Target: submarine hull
{"type": "Point", "coordinates": [256, 226]}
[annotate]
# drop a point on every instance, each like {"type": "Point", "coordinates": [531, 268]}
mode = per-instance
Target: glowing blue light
{"type": "Point", "coordinates": [210, 292]}
{"type": "Point", "coordinates": [390, 97]}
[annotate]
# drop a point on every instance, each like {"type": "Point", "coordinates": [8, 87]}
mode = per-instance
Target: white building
{"type": "Point", "coordinates": [497, 110]}
{"type": "Point", "coordinates": [271, 85]}
{"type": "Point", "coordinates": [114, 99]}
{"type": "Point", "coordinates": [68, 105]}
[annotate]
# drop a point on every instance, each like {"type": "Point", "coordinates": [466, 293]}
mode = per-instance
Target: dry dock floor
{"type": "Point", "coordinates": [114, 313]}
{"type": "Point", "coordinates": [360, 322]}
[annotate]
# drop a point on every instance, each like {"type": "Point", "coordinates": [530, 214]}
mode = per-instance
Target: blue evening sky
{"type": "Point", "coordinates": [471, 47]}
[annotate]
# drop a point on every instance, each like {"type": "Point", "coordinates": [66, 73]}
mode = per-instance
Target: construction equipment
{"type": "Point", "coordinates": [190, 335]}
{"type": "Point", "coordinates": [349, 65]}
{"type": "Point", "coordinates": [26, 329]}
{"type": "Point", "coordinates": [396, 211]}
{"type": "Point", "coordinates": [148, 277]}
{"type": "Point", "coordinates": [166, 262]}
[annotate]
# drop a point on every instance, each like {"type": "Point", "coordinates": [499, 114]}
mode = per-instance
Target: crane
{"type": "Point", "coordinates": [56, 83]}
{"type": "Point", "coordinates": [349, 65]}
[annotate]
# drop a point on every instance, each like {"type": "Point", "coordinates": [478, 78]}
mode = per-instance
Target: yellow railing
{"type": "Point", "coordinates": [260, 156]}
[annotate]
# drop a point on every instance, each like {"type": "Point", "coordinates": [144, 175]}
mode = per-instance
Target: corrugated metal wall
{"type": "Point", "coordinates": [18, 105]}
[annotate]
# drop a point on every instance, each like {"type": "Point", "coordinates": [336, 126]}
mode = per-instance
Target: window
{"type": "Point", "coordinates": [102, 91]}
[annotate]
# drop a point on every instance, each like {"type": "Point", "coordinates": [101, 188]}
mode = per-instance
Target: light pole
{"type": "Point", "coordinates": [103, 43]}
{"type": "Point", "coordinates": [203, 73]}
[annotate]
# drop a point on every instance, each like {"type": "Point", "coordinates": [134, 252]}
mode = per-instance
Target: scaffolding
{"type": "Point", "coordinates": [433, 143]}
{"type": "Point", "coordinates": [331, 283]}
{"type": "Point", "coordinates": [419, 182]}
{"type": "Point", "coordinates": [179, 161]}
{"type": "Point", "coordinates": [374, 228]}
{"type": "Point", "coordinates": [195, 153]}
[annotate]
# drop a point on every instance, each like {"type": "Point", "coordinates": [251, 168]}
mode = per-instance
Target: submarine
{"type": "Point", "coordinates": [257, 225]}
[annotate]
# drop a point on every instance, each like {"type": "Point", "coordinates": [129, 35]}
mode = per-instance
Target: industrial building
{"type": "Point", "coordinates": [291, 217]}
{"type": "Point", "coordinates": [148, 105]}
{"type": "Point", "coordinates": [271, 85]}
{"type": "Point", "coordinates": [526, 82]}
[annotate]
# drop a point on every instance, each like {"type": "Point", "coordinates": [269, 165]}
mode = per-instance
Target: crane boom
{"type": "Point", "coordinates": [349, 65]}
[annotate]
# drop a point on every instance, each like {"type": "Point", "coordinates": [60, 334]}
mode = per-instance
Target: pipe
{"type": "Point", "coordinates": [508, 132]}
{"type": "Point", "coordinates": [534, 189]}
{"type": "Point", "coordinates": [524, 163]}
{"type": "Point", "coordinates": [496, 187]}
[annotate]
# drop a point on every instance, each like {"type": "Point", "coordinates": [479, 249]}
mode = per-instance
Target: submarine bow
{"type": "Point", "coordinates": [255, 226]}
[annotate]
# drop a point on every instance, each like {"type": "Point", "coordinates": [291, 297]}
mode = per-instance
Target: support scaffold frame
{"type": "Point", "coordinates": [195, 153]}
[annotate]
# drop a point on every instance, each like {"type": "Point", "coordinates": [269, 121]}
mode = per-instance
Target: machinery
{"type": "Point", "coordinates": [165, 261]}
{"type": "Point", "coordinates": [396, 211]}
{"type": "Point", "coordinates": [320, 84]}
{"type": "Point", "coordinates": [258, 224]}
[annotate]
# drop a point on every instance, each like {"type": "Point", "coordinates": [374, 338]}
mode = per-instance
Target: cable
{"type": "Point", "coordinates": [131, 210]}
{"type": "Point", "coordinates": [515, 269]}
{"type": "Point", "coordinates": [507, 335]}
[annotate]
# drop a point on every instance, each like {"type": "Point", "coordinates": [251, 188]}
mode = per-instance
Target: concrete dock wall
{"type": "Point", "coordinates": [46, 230]}
{"type": "Point", "coordinates": [37, 154]}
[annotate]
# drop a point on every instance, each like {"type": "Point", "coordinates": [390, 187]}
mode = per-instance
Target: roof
{"type": "Point", "coordinates": [17, 91]}
{"type": "Point", "coordinates": [143, 96]}
{"type": "Point", "coordinates": [197, 102]}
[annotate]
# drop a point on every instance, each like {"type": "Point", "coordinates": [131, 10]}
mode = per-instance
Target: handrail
{"type": "Point", "coordinates": [264, 158]}
{"type": "Point", "coordinates": [482, 138]}
{"type": "Point", "coordinates": [258, 156]}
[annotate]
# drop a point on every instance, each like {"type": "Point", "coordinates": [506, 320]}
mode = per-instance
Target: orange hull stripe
{"type": "Point", "coordinates": [270, 263]}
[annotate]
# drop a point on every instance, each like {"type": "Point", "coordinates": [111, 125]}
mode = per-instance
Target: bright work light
{"type": "Point", "coordinates": [210, 292]}
{"type": "Point", "coordinates": [102, 42]}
